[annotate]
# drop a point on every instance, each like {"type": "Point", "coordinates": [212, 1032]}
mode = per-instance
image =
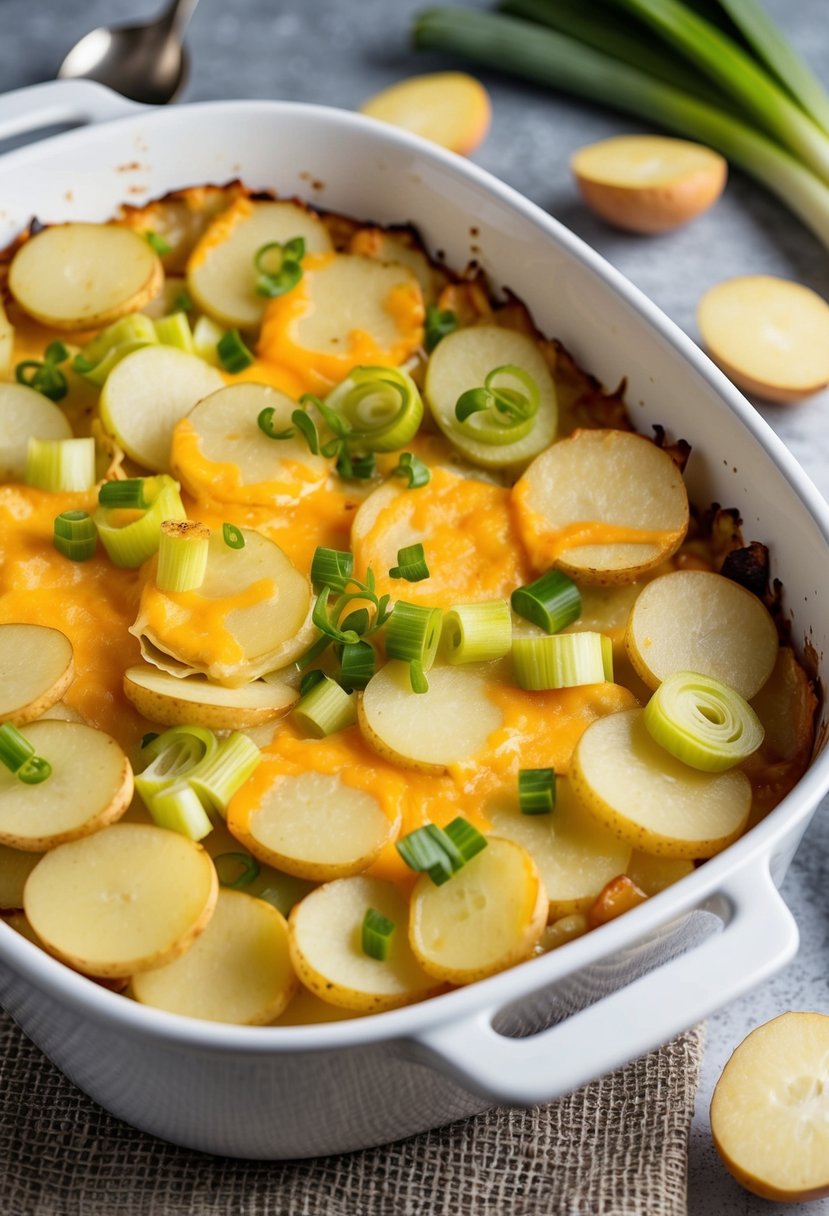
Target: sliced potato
{"type": "Point", "coordinates": [104, 272]}
{"type": "Point", "coordinates": [221, 275]}
{"type": "Point", "coordinates": [695, 620]}
{"type": "Point", "coordinates": [314, 825]}
{"type": "Point", "coordinates": [90, 786]}
{"type": "Point", "coordinates": [6, 343]}
{"type": "Point", "coordinates": [654, 874]}
{"type": "Point", "coordinates": [238, 970]}
{"type": "Point", "coordinates": [15, 868]}
{"type": "Point", "coordinates": [574, 854]}
{"type": "Point", "coordinates": [402, 247]}
{"type": "Point", "coordinates": [280, 890]}
{"type": "Point", "coordinates": [125, 900]}
{"type": "Point", "coordinates": [164, 698]}
{"type": "Point", "coordinates": [24, 415]}
{"type": "Point", "coordinates": [147, 393]}
{"type": "Point", "coordinates": [562, 931]}
{"type": "Point", "coordinates": [327, 952]}
{"type": "Point", "coordinates": [618, 896]}
{"type": "Point", "coordinates": [487, 917]}
{"type": "Point", "coordinates": [603, 506]}
{"type": "Point", "coordinates": [61, 712]}
{"type": "Point", "coordinates": [180, 219]}
{"type": "Point", "coordinates": [462, 361]}
{"type": "Point", "coordinates": [428, 731]}
{"type": "Point", "coordinates": [450, 108]}
{"type": "Point", "coordinates": [36, 668]}
{"type": "Point", "coordinates": [645, 796]}
{"type": "Point", "coordinates": [220, 453]}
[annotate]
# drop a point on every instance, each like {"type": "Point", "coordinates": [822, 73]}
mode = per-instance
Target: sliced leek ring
{"type": "Point", "coordinates": [703, 722]}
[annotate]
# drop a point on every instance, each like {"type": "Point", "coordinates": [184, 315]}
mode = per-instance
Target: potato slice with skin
{"type": "Point", "coordinates": [221, 275]}
{"type": "Point", "coordinates": [36, 668]}
{"type": "Point", "coordinates": [603, 506]}
{"type": "Point", "coordinates": [450, 108]}
{"type": "Point", "coordinates": [618, 896]}
{"type": "Point", "coordinates": [220, 453]}
{"type": "Point", "coordinates": [90, 786]}
{"type": "Point", "coordinates": [487, 917]}
{"type": "Point", "coordinates": [402, 247]}
{"type": "Point", "coordinates": [327, 953]}
{"type": "Point", "coordinates": [770, 1110]}
{"type": "Point", "coordinates": [6, 343]}
{"type": "Point", "coordinates": [645, 796]}
{"type": "Point", "coordinates": [316, 826]}
{"type": "Point", "coordinates": [238, 970]}
{"type": "Point", "coordinates": [462, 361]}
{"type": "Point", "coordinates": [428, 731]}
{"type": "Point", "coordinates": [695, 620]}
{"type": "Point", "coordinates": [147, 393]}
{"type": "Point", "coordinates": [24, 415]}
{"type": "Point", "coordinates": [176, 702]}
{"type": "Point", "coordinates": [654, 874]}
{"type": "Point", "coordinates": [15, 868]}
{"type": "Point", "coordinates": [574, 854]}
{"type": "Point", "coordinates": [125, 900]}
{"type": "Point", "coordinates": [105, 272]}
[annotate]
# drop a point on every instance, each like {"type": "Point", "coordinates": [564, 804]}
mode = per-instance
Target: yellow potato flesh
{"type": "Point", "coordinates": [15, 868]}
{"type": "Point", "coordinates": [449, 108]}
{"type": "Point", "coordinates": [36, 668]}
{"type": "Point", "coordinates": [653, 874]}
{"type": "Point", "coordinates": [26, 414]}
{"type": "Point", "coordinates": [164, 698]}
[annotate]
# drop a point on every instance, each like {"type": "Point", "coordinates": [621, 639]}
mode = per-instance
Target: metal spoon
{"type": "Point", "coordinates": [145, 62]}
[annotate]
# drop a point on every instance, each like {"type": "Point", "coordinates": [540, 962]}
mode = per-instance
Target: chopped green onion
{"type": "Point", "coordinates": [217, 778]}
{"type": "Point", "coordinates": [233, 355]}
{"type": "Point", "coordinates": [233, 536]}
{"type": "Point", "coordinates": [129, 494]}
{"type": "Point", "coordinates": [326, 709]}
{"type": "Point", "coordinates": [358, 663]}
{"type": "Point", "coordinates": [61, 465]}
{"type": "Point", "coordinates": [509, 411]}
{"type": "Point", "coordinates": [358, 621]}
{"type": "Point", "coordinates": [56, 352]}
{"type": "Point", "coordinates": [100, 355]}
{"type": "Point", "coordinates": [147, 739]}
{"type": "Point", "coordinates": [607, 658]}
{"type": "Point", "coordinates": [413, 633]}
{"type": "Point", "coordinates": [75, 535]}
{"type": "Point", "coordinates": [264, 420]}
{"type": "Point", "coordinates": [44, 376]}
{"type": "Point", "coordinates": [182, 555]}
{"type": "Point", "coordinates": [441, 852]}
{"type": "Point", "coordinates": [310, 680]}
{"type": "Point", "coordinates": [466, 839]}
{"type": "Point", "coordinates": [18, 756]}
{"type": "Point", "coordinates": [277, 266]}
{"type": "Point", "coordinates": [477, 633]}
{"type": "Point", "coordinates": [182, 303]}
{"type": "Point", "coordinates": [414, 470]}
{"type": "Point", "coordinates": [536, 790]}
{"type": "Point", "coordinates": [417, 677]}
{"type": "Point", "coordinates": [563, 660]}
{"type": "Point", "coordinates": [362, 467]}
{"type": "Point", "coordinates": [178, 809]}
{"type": "Point", "coordinates": [552, 602]}
{"type": "Point", "coordinates": [308, 428]}
{"type": "Point", "coordinates": [206, 338]}
{"type": "Point", "coordinates": [236, 870]}
{"type": "Point", "coordinates": [171, 756]}
{"type": "Point", "coordinates": [381, 407]}
{"type": "Point", "coordinates": [34, 770]}
{"type": "Point", "coordinates": [174, 330]}
{"type": "Point", "coordinates": [703, 722]}
{"type": "Point", "coordinates": [376, 934]}
{"type": "Point", "coordinates": [411, 564]}
{"type": "Point", "coordinates": [331, 568]}
{"type": "Point", "coordinates": [130, 545]}
{"type": "Point", "coordinates": [440, 322]}
{"type": "Point", "coordinates": [157, 243]}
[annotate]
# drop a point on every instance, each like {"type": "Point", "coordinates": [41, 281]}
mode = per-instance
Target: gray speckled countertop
{"type": "Point", "coordinates": [339, 52]}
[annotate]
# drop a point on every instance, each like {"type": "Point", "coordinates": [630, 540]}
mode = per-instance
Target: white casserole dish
{"type": "Point", "coordinates": [606, 998]}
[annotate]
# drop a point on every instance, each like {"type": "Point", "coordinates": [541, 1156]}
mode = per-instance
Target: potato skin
{"type": "Point", "coordinates": [650, 210]}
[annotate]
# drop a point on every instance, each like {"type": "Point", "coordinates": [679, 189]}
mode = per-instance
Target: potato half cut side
{"type": "Point", "coordinates": [603, 506]}
{"type": "Point", "coordinates": [147, 393]}
{"type": "Point", "coordinates": [770, 1110]}
{"type": "Point", "coordinates": [695, 620]}
{"type": "Point", "coordinates": [125, 900]}
{"type": "Point", "coordinates": [219, 452]}
{"type": "Point", "coordinates": [238, 970]}
{"type": "Point", "coordinates": [105, 272]}
{"type": "Point", "coordinates": [15, 868]}
{"type": "Point", "coordinates": [450, 108]}
{"type": "Point", "coordinates": [574, 854]}
{"type": "Point", "coordinates": [488, 916]}
{"type": "Point", "coordinates": [164, 698]}
{"type": "Point", "coordinates": [461, 362]}
{"type": "Point", "coordinates": [221, 275]}
{"type": "Point", "coordinates": [645, 796]}
{"type": "Point", "coordinates": [327, 953]}
{"type": "Point", "coordinates": [36, 668]}
{"type": "Point", "coordinates": [89, 787]}
{"type": "Point", "coordinates": [24, 415]}
{"type": "Point", "coordinates": [449, 724]}
{"type": "Point", "coordinates": [314, 825]}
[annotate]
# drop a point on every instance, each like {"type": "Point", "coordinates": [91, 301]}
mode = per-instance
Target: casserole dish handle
{"type": "Point", "coordinates": [759, 936]}
{"type": "Point", "coordinates": [60, 102]}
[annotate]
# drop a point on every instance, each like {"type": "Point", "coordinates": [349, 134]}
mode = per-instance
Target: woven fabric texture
{"type": "Point", "coordinates": [618, 1147]}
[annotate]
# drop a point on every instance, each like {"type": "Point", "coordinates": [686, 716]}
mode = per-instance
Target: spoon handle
{"type": "Point", "coordinates": [177, 17]}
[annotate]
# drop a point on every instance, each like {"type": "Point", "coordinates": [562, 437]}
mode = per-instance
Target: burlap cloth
{"type": "Point", "coordinates": [616, 1147]}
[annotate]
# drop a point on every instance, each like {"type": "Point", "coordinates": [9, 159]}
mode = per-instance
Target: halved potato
{"type": "Point", "coordinates": [450, 108]}
{"type": "Point", "coordinates": [103, 273]}
{"type": "Point", "coordinates": [90, 786]}
{"type": "Point", "coordinates": [221, 275]}
{"type": "Point", "coordinates": [428, 731]}
{"type": "Point", "coordinates": [603, 506]}
{"type": "Point", "coordinates": [487, 917]}
{"type": "Point", "coordinates": [125, 900]}
{"type": "Point", "coordinates": [238, 970]}
{"type": "Point", "coordinates": [36, 668]}
{"type": "Point", "coordinates": [220, 453]}
{"type": "Point", "coordinates": [645, 796]}
{"type": "Point", "coordinates": [654, 874]}
{"type": "Point", "coordinates": [314, 825]}
{"type": "Point", "coordinates": [327, 952]}
{"type": "Point", "coordinates": [695, 620]}
{"type": "Point", "coordinates": [164, 698]}
{"type": "Point", "coordinates": [147, 393]}
{"type": "Point", "coordinates": [15, 868]}
{"type": "Point", "coordinates": [574, 854]}
{"type": "Point", "coordinates": [462, 361]}
{"type": "Point", "coordinates": [24, 415]}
